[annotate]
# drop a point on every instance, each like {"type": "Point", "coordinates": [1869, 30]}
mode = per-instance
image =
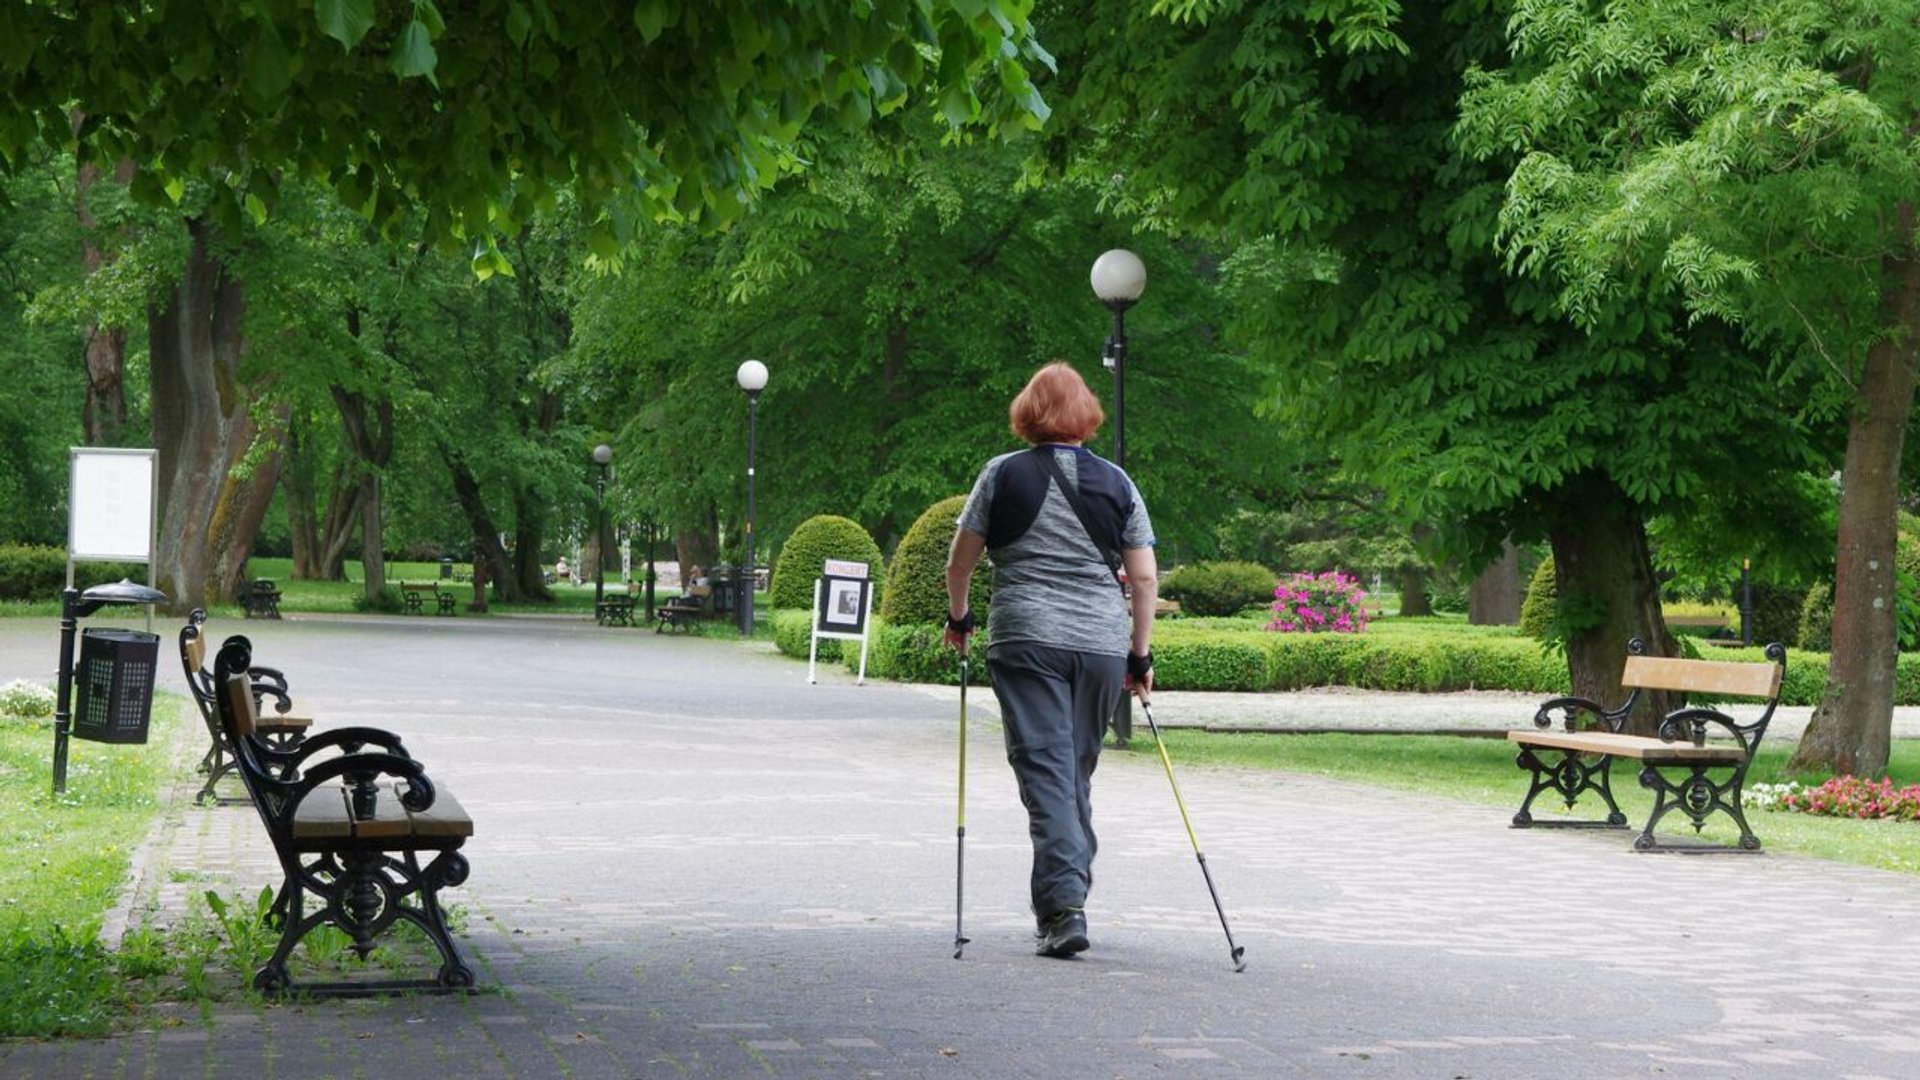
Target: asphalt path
{"type": "Point", "coordinates": [689, 862]}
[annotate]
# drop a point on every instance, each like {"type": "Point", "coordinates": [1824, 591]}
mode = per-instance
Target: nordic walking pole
{"type": "Point", "coordinates": [960, 821]}
{"type": "Point", "coordinates": [1235, 951]}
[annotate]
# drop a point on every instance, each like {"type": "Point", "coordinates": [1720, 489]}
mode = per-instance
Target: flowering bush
{"type": "Point", "coordinates": [1768, 796]}
{"type": "Point", "coordinates": [1850, 796]}
{"type": "Point", "coordinates": [1317, 603]}
{"type": "Point", "coordinates": [23, 698]}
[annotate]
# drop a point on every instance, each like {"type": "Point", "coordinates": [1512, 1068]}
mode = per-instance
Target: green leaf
{"type": "Point", "coordinates": [651, 18]}
{"type": "Point", "coordinates": [426, 13]}
{"type": "Point", "coordinates": [413, 54]}
{"type": "Point", "coordinates": [519, 24]}
{"type": "Point", "coordinates": [345, 21]}
{"type": "Point", "coordinates": [269, 72]}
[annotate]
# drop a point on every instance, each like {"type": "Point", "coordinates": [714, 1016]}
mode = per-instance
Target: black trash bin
{"type": "Point", "coordinates": [116, 685]}
{"type": "Point", "coordinates": [446, 567]}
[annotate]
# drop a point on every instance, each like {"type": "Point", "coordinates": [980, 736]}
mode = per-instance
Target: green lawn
{"type": "Point", "coordinates": [65, 859]}
{"type": "Point", "coordinates": [1483, 771]}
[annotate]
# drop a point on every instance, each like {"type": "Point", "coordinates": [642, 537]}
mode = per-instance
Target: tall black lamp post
{"type": "Point", "coordinates": [603, 457]}
{"type": "Point", "coordinates": [752, 377]}
{"type": "Point", "coordinates": [1119, 277]}
{"type": "Point", "coordinates": [74, 606]}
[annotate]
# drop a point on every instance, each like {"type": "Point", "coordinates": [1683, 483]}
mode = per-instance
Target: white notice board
{"type": "Point", "coordinates": [110, 515]}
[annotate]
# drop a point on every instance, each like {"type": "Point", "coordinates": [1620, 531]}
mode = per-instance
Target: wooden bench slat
{"type": "Point", "coordinates": [1631, 746]}
{"type": "Point", "coordinates": [323, 813]}
{"type": "Point", "coordinates": [1703, 676]}
{"type": "Point", "coordinates": [446, 817]}
{"type": "Point", "coordinates": [281, 722]}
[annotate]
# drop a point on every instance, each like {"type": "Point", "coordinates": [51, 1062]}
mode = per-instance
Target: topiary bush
{"type": "Point", "coordinates": [817, 539]}
{"type": "Point", "coordinates": [917, 652]}
{"type": "Point", "coordinates": [1776, 612]}
{"type": "Point", "coordinates": [1536, 611]}
{"type": "Point", "coordinates": [917, 579]}
{"type": "Point", "coordinates": [1816, 619]}
{"type": "Point", "coordinates": [1219, 588]}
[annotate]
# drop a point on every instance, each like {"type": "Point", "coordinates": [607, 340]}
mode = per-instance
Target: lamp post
{"type": "Point", "coordinates": [752, 378]}
{"type": "Point", "coordinates": [1119, 277]}
{"type": "Point", "coordinates": [603, 457]}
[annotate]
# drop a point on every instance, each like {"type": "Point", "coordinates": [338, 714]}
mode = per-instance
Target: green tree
{"type": "Point", "coordinates": [1319, 139]}
{"type": "Point", "coordinates": [900, 299]}
{"type": "Point", "coordinates": [671, 110]}
{"type": "Point", "coordinates": [1757, 163]}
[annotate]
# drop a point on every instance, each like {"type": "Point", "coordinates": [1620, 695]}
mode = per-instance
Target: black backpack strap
{"type": "Point", "coordinates": [1107, 554]}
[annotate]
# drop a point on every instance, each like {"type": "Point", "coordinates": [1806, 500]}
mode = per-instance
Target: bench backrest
{"type": "Point", "coordinates": [242, 713]}
{"type": "Point", "coordinates": [1761, 680]}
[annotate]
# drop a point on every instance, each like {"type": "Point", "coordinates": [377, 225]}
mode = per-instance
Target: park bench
{"type": "Point", "coordinates": [413, 595]}
{"type": "Point", "coordinates": [260, 597]}
{"type": "Point", "coordinates": [280, 731]}
{"type": "Point", "coordinates": [614, 608]}
{"type": "Point", "coordinates": [1578, 757]}
{"type": "Point", "coordinates": [350, 832]}
{"type": "Point", "coordinates": [681, 611]}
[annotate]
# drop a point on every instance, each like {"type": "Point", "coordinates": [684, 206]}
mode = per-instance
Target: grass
{"type": "Point", "coordinates": [1483, 771]}
{"type": "Point", "coordinates": [66, 857]}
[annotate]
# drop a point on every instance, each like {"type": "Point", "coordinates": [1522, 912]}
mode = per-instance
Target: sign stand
{"type": "Point", "coordinates": [842, 609]}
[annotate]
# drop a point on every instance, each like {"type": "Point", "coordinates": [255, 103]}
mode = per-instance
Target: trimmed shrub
{"type": "Point", "coordinates": [39, 572]}
{"type": "Point", "coordinates": [1776, 612]}
{"type": "Point", "coordinates": [917, 652]}
{"type": "Point", "coordinates": [793, 635]}
{"type": "Point", "coordinates": [1219, 588]}
{"type": "Point", "coordinates": [1536, 611]}
{"type": "Point", "coordinates": [817, 539]}
{"type": "Point", "coordinates": [1214, 661]}
{"type": "Point", "coordinates": [917, 579]}
{"type": "Point", "coordinates": [1816, 619]}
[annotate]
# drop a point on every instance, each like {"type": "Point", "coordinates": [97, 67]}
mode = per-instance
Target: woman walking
{"type": "Point", "coordinates": [1067, 640]}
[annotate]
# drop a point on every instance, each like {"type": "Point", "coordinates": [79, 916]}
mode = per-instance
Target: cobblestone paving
{"type": "Point", "coordinates": [692, 864]}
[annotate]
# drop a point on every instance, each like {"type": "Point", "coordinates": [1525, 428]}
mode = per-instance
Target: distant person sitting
{"type": "Point", "coordinates": [561, 570]}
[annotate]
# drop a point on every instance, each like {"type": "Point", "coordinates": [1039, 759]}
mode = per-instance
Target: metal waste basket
{"type": "Point", "coordinates": [116, 685]}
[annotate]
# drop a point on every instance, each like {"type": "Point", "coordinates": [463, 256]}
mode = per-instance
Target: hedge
{"type": "Point", "coordinates": [917, 652]}
{"type": "Point", "coordinates": [38, 572]}
{"type": "Point", "coordinates": [792, 635]}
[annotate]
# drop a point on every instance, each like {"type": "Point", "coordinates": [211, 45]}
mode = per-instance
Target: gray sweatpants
{"type": "Point", "coordinates": [1055, 704]}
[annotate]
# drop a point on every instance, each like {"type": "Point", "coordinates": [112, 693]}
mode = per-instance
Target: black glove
{"type": "Point", "coordinates": [962, 625]}
{"type": "Point", "coordinates": [1139, 667]}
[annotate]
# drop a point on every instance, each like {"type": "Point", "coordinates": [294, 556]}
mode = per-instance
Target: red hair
{"type": "Point", "coordinates": [1056, 406]}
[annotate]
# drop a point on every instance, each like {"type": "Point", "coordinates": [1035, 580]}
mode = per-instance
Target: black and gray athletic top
{"type": "Point", "coordinates": [1050, 584]}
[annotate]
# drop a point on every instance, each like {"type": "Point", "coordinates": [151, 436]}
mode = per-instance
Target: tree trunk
{"type": "Point", "coordinates": [1852, 729]}
{"type": "Point", "coordinates": [528, 573]}
{"type": "Point", "coordinates": [1494, 597]}
{"type": "Point", "coordinates": [489, 556]}
{"type": "Point", "coordinates": [1413, 591]}
{"type": "Point", "coordinates": [337, 528]}
{"type": "Point", "coordinates": [1603, 568]}
{"type": "Point", "coordinates": [104, 418]}
{"type": "Point", "coordinates": [298, 479]}
{"type": "Point", "coordinates": [202, 428]}
{"type": "Point", "coordinates": [696, 542]}
{"type": "Point", "coordinates": [371, 440]}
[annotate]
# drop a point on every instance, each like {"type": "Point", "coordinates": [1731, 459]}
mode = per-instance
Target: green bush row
{"type": "Point", "coordinates": [37, 572]}
{"type": "Point", "coordinates": [1200, 658]}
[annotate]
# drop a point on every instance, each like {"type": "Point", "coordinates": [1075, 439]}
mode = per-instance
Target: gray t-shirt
{"type": "Point", "coordinates": [1051, 586]}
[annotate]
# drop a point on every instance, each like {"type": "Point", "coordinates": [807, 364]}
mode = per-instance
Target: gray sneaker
{"type": "Point", "coordinates": [1063, 934]}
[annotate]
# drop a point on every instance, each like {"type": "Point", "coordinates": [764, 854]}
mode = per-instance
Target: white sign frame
{"type": "Point", "coordinates": [840, 589]}
{"type": "Point", "coordinates": [113, 496]}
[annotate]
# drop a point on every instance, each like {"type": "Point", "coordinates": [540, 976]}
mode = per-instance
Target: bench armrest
{"type": "Point", "coordinates": [1571, 708]}
{"type": "Point", "coordinates": [360, 770]}
{"type": "Point", "coordinates": [348, 740]}
{"type": "Point", "coordinates": [1690, 725]}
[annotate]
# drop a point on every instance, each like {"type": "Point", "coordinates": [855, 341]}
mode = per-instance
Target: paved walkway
{"type": "Point", "coordinates": [692, 864]}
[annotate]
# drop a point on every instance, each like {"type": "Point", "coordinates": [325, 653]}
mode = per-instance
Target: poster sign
{"type": "Point", "coordinates": [844, 568]}
{"type": "Point", "coordinates": [110, 515]}
{"type": "Point", "coordinates": [844, 608]}
{"type": "Point", "coordinates": [841, 606]}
